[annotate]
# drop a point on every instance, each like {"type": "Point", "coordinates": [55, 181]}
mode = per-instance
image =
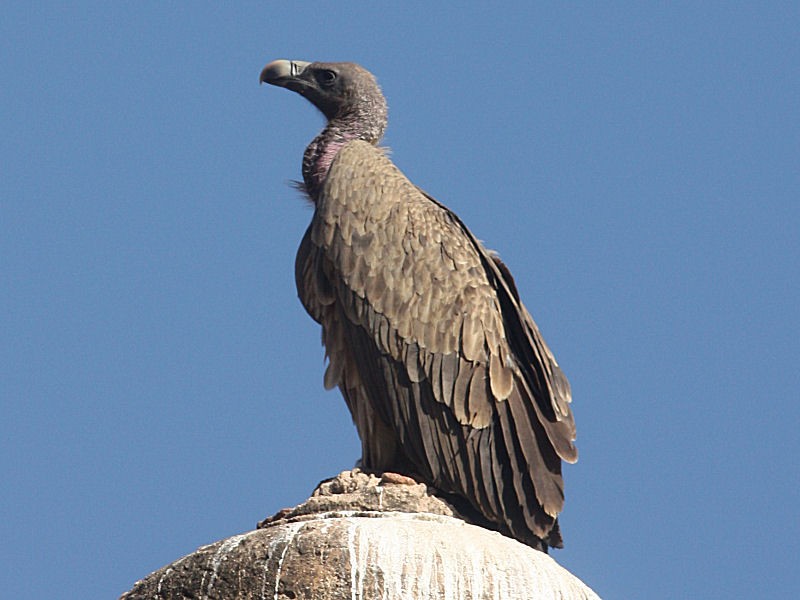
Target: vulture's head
{"type": "Point", "coordinates": [346, 93]}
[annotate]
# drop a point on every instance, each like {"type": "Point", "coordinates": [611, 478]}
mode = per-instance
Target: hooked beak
{"type": "Point", "coordinates": [283, 73]}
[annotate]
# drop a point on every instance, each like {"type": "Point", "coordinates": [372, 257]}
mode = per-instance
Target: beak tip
{"type": "Point", "coordinates": [281, 69]}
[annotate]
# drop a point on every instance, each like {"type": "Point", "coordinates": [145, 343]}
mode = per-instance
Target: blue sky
{"type": "Point", "coordinates": [635, 164]}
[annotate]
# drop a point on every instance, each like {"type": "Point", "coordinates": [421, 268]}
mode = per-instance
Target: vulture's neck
{"type": "Point", "coordinates": [320, 154]}
{"type": "Point", "coordinates": [359, 125]}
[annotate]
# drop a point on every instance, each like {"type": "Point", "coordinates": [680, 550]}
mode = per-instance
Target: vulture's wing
{"type": "Point", "coordinates": [425, 327]}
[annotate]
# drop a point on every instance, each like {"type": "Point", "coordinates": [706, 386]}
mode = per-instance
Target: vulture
{"type": "Point", "coordinates": [445, 373]}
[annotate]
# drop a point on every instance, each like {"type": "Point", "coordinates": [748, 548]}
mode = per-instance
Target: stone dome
{"type": "Point", "coordinates": [364, 537]}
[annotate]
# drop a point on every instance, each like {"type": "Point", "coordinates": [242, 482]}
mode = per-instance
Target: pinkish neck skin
{"type": "Point", "coordinates": [319, 156]}
{"type": "Point", "coordinates": [324, 160]}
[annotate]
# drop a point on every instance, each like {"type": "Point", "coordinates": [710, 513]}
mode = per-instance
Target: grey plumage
{"type": "Point", "coordinates": [443, 369]}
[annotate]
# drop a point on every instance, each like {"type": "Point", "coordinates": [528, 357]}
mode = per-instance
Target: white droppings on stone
{"type": "Point", "coordinates": [477, 573]}
{"type": "Point", "coordinates": [168, 571]}
{"type": "Point", "coordinates": [407, 557]}
{"type": "Point", "coordinates": [278, 546]}
{"type": "Point", "coordinates": [355, 547]}
{"type": "Point", "coordinates": [218, 557]}
{"type": "Point", "coordinates": [324, 532]}
{"type": "Point", "coordinates": [161, 580]}
{"type": "Point", "coordinates": [391, 555]}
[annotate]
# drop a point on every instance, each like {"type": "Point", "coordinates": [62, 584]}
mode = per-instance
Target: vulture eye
{"type": "Point", "coordinates": [326, 77]}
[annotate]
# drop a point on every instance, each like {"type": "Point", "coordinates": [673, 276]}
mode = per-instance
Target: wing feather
{"type": "Point", "coordinates": [443, 351]}
{"type": "Point", "coordinates": [461, 392]}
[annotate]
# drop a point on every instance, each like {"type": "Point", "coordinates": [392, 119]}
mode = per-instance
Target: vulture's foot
{"type": "Point", "coordinates": [390, 477]}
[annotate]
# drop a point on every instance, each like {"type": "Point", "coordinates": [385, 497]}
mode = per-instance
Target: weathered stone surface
{"type": "Point", "coordinates": [359, 537]}
{"type": "Point", "coordinates": [358, 491]}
